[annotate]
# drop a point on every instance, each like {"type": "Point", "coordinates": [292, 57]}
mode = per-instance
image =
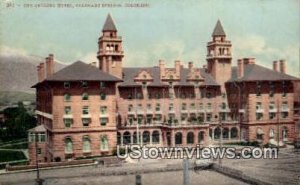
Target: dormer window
{"type": "Point", "coordinates": [84, 84]}
{"type": "Point", "coordinates": [102, 85]}
{"type": "Point", "coordinates": [67, 85]}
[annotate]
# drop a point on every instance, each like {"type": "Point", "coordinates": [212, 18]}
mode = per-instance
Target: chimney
{"type": "Point", "coordinates": [282, 66]}
{"type": "Point", "coordinates": [240, 64]}
{"type": "Point", "coordinates": [249, 61]}
{"type": "Point", "coordinates": [50, 65]}
{"type": "Point", "coordinates": [177, 67]}
{"type": "Point", "coordinates": [162, 67]}
{"type": "Point", "coordinates": [42, 71]}
{"type": "Point", "coordinates": [191, 66]}
{"type": "Point", "coordinates": [275, 65]}
{"type": "Point", "coordinates": [39, 73]}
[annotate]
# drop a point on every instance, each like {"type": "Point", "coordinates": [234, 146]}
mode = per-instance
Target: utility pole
{"type": "Point", "coordinates": [186, 172]}
{"type": "Point", "coordinates": [37, 180]}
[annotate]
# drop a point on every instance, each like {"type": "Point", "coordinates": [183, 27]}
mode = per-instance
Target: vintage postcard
{"type": "Point", "coordinates": [149, 92]}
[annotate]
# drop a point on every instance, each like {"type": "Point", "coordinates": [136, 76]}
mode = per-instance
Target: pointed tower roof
{"type": "Point", "coordinates": [218, 31]}
{"type": "Point", "coordinates": [109, 24]}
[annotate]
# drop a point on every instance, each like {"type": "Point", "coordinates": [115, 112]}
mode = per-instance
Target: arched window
{"type": "Point", "coordinates": [104, 143]}
{"type": "Point", "coordinates": [225, 133]}
{"type": "Point", "coordinates": [201, 135]}
{"type": "Point", "coordinates": [146, 137]}
{"type": "Point", "coordinates": [119, 138]}
{"type": "Point", "coordinates": [135, 138]}
{"type": "Point", "coordinates": [86, 144]}
{"type": "Point", "coordinates": [190, 138]}
{"type": "Point", "coordinates": [85, 96]}
{"type": "Point", "coordinates": [68, 145]}
{"type": "Point", "coordinates": [217, 133]}
{"type": "Point", "coordinates": [234, 132]}
{"type": "Point", "coordinates": [155, 136]}
{"type": "Point", "coordinates": [102, 96]}
{"type": "Point", "coordinates": [67, 97]}
{"type": "Point", "coordinates": [178, 138]}
{"type": "Point", "coordinates": [126, 138]}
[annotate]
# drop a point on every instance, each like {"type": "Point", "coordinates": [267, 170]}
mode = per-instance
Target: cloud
{"type": "Point", "coordinates": [89, 58]}
{"type": "Point", "coordinates": [256, 46]}
{"type": "Point", "coordinates": [8, 51]}
{"type": "Point", "coordinates": [167, 50]}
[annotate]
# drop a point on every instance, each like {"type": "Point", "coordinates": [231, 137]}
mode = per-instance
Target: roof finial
{"type": "Point", "coordinates": [218, 31]}
{"type": "Point", "coordinates": [109, 24]}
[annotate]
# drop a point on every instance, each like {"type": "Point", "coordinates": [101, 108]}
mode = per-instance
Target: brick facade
{"type": "Point", "coordinates": [161, 106]}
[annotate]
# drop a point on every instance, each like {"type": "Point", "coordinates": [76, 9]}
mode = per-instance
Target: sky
{"type": "Point", "coordinates": [171, 30]}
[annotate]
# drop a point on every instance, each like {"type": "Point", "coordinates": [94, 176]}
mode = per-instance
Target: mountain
{"type": "Point", "coordinates": [12, 97]}
{"type": "Point", "coordinates": [18, 72]}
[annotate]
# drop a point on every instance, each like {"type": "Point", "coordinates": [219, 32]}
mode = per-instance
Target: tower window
{"type": "Point", "coordinates": [84, 84]}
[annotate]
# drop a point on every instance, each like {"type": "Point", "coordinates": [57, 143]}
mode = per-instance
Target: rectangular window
{"type": "Point", "coordinates": [148, 106]}
{"type": "Point", "coordinates": [272, 115]}
{"type": "Point", "coordinates": [140, 107]}
{"type": "Point", "coordinates": [85, 110]}
{"type": "Point", "coordinates": [158, 117]}
{"type": "Point", "coordinates": [102, 85]}
{"type": "Point", "coordinates": [285, 106]}
{"type": "Point", "coordinates": [157, 108]}
{"type": "Point", "coordinates": [42, 138]}
{"type": "Point", "coordinates": [103, 110]}
{"type": "Point", "coordinates": [68, 110]}
{"type": "Point", "coordinates": [140, 119]}
{"type": "Point", "coordinates": [171, 106]}
{"type": "Point", "coordinates": [68, 122]}
{"type": "Point", "coordinates": [39, 151]}
{"type": "Point", "coordinates": [85, 96]}
{"type": "Point", "coordinates": [67, 97]}
{"type": "Point", "coordinates": [209, 106]}
{"type": "Point", "coordinates": [130, 108]}
{"type": "Point", "coordinates": [183, 106]}
{"type": "Point", "coordinates": [259, 116]}
{"type": "Point", "coordinates": [67, 85]}
{"type": "Point", "coordinates": [130, 120]}
{"type": "Point", "coordinates": [85, 122]}
{"type": "Point", "coordinates": [284, 115]}
{"type": "Point", "coordinates": [258, 106]}
{"type": "Point", "coordinates": [208, 117]}
{"type": "Point", "coordinates": [272, 106]}
{"type": "Point", "coordinates": [103, 121]}
{"type": "Point", "coordinates": [84, 84]}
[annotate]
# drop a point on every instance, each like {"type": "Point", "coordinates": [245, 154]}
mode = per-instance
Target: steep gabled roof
{"type": "Point", "coordinates": [109, 24]}
{"type": "Point", "coordinates": [254, 72]}
{"type": "Point", "coordinates": [218, 31]}
{"type": "Point", "coordinates": [80, 71]}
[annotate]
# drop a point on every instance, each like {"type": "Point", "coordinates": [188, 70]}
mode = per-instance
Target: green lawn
{"type": "Point", "coordinates": [11, 156]}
